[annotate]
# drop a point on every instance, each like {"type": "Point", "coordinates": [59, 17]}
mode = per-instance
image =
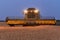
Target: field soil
{"type": "Point", "coordinates": [42, 32]}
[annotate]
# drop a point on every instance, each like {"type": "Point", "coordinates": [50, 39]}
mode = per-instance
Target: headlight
{"type": "Point", "coordinates": [25, 11]}
{"type": "Point", "coordinates": [36, 11]}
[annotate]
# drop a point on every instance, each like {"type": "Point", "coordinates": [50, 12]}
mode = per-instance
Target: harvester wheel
{"type": "Point", "coordinates": [11, 25]}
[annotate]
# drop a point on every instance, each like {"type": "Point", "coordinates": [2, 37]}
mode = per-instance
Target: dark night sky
{"type": "Point", "coordinates": [15, 7]}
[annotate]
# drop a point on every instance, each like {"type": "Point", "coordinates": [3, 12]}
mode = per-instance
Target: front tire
{"type": "Point", "coordinates": [11, 25]}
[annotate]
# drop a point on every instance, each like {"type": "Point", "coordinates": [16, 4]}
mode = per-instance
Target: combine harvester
{"type": "Point", "coordinates": [31, 17]}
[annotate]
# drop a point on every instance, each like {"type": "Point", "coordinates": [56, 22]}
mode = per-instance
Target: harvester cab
{"type": "Point", "coordinates": [32, 14]}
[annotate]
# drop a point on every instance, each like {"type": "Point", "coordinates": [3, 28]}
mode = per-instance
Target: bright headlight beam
{"type": "Point", "coordinates": [36, 11]}
{"type": "Point", "coordinates": [25, 11]}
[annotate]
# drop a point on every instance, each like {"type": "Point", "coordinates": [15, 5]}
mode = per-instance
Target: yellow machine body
{"type": "Point", "coordinates": [16, 22]}
{"type": "Point", "coordinates": [31, 17]}
{"type": "Point", "coordinates": [23, 22]}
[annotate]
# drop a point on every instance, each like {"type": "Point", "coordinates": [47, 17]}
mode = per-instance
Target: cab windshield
{"type": "Point", "coordinates": [31, 15]}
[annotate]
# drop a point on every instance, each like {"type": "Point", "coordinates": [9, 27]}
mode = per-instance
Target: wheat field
{"type": "Point", "coordinates": [42, 32]}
